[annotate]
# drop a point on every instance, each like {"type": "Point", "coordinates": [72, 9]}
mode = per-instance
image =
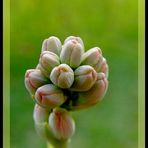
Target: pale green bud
{"type": "Point", "coordinates": [38, 66]}
{"type": "Point", "coordinates": [34, 79]}
{"type": "Point", "coordinates": [62, 76]}
{"type": "Point", "coordinates": [52, 44]}
{"type": "Point", "coordinates": [84, 78]}
{"type": "Point", "coordinates": [71, 53]}
{"type": "Point", "coordinates": [92, 57]}
{"type": "Point", "coordinates": [44, 131]}
{"type": "Point", "coordinates": [49, 96]}
{"type": "Point", "coordinates": [78, 39]}
{"type": "Point", "coordinates": [40, 114]}
{"type": "Point", "coordinates": [49, 60]}
{"type": "Point", "coordinates": [92, 96]}
{"type": "Point", "coordinates": [41, 129]}
{"type": "Point", "coordinates": [45, 72]}
{"type": "Point", "coordinates": [61, 123]}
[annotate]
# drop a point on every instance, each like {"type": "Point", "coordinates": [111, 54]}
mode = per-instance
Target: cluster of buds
{"type": "Point", "coordinates": [67, 78]}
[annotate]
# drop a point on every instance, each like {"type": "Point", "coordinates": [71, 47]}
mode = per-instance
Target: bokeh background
{"type": "Point", "coordinates": [109, 24]}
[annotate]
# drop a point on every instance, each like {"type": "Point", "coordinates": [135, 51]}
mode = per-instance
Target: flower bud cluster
{"type": "Point", "coordinates": [67, 78]}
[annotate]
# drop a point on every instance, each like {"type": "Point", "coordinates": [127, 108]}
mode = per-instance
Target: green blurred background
{"type": "Point", "coordinates": [113, 26]}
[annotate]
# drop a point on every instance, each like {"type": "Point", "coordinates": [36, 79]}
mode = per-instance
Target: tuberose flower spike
{"type": "Point", "coordinates": [66, 79]}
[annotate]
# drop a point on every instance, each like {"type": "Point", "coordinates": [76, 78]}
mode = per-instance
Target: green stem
{"type": "Point", "coordinates": [61, 144]}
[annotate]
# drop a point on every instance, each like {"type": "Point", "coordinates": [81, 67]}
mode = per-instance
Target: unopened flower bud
{"type": "Point", "coordinates": [93, 96]}
{"type": "Point", "coordinates": [71, 53]}
{"type": "Point", "coordinates": [40, 114]}
{"type": "Point", "coordinates": [62, 124]}
{"type": "Point", "coordinates": [78, 39]}
{"type": "Point", "coordinates": [49, 96]}
{"type": "Point", "coordinates": [52, 44]}
{"type": "Point", "coordinates": [44, 131]}
{"type": "Point", "coordinates": [62, 76]}
{"type": "Point", "coordinates": [84, 78]}
{"type": "Point", "coordinates": [104, 67]}
{"type": "Point", "coordinates": [43, 70]}
{"type": "Point", "coordinates": [92, 57]}
{"type": "Point", "coordinates": [34, 79]}
{"type": "Point", "coordinates": [49, 60]}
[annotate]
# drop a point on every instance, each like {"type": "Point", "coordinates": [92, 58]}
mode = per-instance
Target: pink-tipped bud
{"type": "Point", "coordinates": [71, 53]}
{"type": "Point", "coordinates": [62, 124]}
{"type": "Point", "coordinates": [40, 114]}
{"type": "Point", "coordinates": [48, 60]}
{"type": "Point", "coordinates": [52, 44]}
{"type": "Point", "coordinates": [77, 39]}
{"type": "Point", "coordinates": [62, 76]}
{"type": "Point", "coordinates": [34, 79]}
{"type": "Point", "coordinates": [104, 67]}
{"type": "Point", "coordinates": [94, 95]}
{"type": "Point", "coordinates": [85, 78]}
{"type": "Point", "coordinates": [49, 96]}
{"type": "Point", "coordinates": [92, 57]}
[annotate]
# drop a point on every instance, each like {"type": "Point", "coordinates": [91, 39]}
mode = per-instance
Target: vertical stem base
{"type": "Point", "coordinates": [60, 144]}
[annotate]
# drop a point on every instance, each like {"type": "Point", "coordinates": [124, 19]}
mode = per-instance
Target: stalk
{"type": "Point", "coordinates": [58, 145]}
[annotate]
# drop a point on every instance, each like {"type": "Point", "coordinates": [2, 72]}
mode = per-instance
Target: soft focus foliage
{"type": "Point", "coordinates": [111, 25]}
